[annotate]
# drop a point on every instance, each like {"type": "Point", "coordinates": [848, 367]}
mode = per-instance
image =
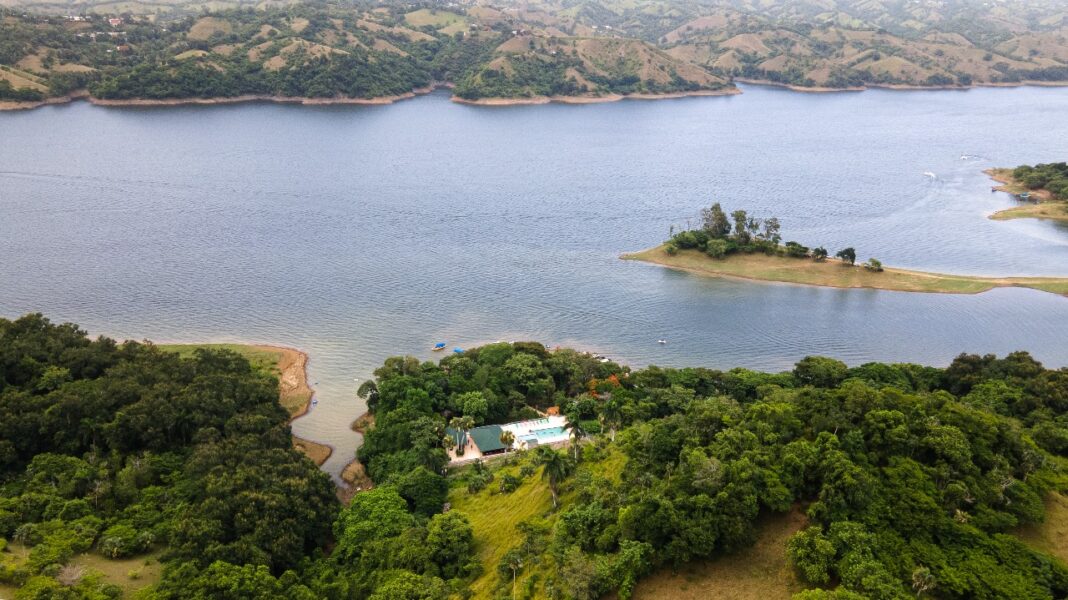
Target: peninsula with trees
{"type": "Point", "coordinates": [1042, 191]}
{"type": "Point", "coordinates": [130, 471]}
{"type": "Point", "coordinates": [741, 246]}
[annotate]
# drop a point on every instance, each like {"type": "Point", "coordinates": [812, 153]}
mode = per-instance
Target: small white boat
{"type": "Point", "coordinates": [930, 174]}
{"type": "Point", "coordinates": [661, 341]}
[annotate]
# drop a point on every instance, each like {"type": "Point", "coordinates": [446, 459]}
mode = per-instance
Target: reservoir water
{"type": "Point", "coordinates": [356, 233]}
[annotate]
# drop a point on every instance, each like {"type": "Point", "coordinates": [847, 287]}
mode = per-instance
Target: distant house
{"type": "Point", "coordinates": [114, 22]}
{"type": "Point", "coordinates": [486, 439]}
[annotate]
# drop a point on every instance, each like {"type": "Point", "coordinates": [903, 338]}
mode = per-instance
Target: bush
{"type": "Point", "coordinates": [716, 248]}
{"type": "Point", "coordinates": [509, 483]}
{"type": "Point", "coordinates": [874, 265]}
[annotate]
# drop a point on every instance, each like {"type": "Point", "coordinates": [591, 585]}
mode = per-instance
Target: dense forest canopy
{"type": "Point", "coordinates": [183, 49]}
{"type": "Point", "coordinates": [911, 478]}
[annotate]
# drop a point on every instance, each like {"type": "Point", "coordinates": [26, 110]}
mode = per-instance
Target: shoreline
{"type": "Point", "coordinates": [732, 91]}
{"type": "Point", "coordinates": [903, 87]}
{"type": "Point", "coordinates": [832, 273]}
{"type": "Point", "coordinates": [12, 105]}
{"type": "Point", "coordinates": [1045, 208]}
{"type": "Point", "coordinates": [221, 100]}
{"type": "Point", "coordinates": [354, 475]}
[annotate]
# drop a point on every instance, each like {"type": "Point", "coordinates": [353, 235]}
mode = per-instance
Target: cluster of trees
{"type": "Point", "coordinates": [911, 477]}
{"type": "Point", "coordinates": [122, 448]}
{"type": "Point", "coordinates": [1050, 176]}
{"type": "Point", "coordinates": [721, 235]}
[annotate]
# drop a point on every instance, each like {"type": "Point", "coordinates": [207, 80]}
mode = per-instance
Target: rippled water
{"type": "Point", "coordinates": [356, 233]}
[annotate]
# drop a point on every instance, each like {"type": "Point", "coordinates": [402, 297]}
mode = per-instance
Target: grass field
{"type": "Point", "coordinates": [759, 572]}
{"type": "Point", "coordinates": [438, 19]}
{"type": "Point", "coordinates": [834, 273]}
{"type": "Point", "coordinates": [494, 517]}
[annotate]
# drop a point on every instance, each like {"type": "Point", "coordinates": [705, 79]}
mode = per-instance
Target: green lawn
{"type": "Point", "coordinates": [494, 515]}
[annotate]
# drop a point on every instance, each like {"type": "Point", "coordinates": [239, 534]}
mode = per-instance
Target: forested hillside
{"type": "Point", "coordinates": [591, 49]}
{"type": "Point", "coordinates": [911, 480]}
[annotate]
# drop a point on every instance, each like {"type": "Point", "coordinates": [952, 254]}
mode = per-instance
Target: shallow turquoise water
{"type": "Point", "coordinates": [355, 233]}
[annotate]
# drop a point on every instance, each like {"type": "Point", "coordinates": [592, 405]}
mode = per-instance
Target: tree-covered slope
{"type": "Point", "coordinates": [908, 480]}
{"type": "Point", "coordinates": [516, 50]}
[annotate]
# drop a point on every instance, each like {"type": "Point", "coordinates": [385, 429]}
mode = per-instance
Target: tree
{"type": "Point", "coordinates": [741, 227]}
{"type": "Point", "coordinates": [556, 467]}
{"type": "Point", "coordinates": [512, 561]}
{"type": "Point", "coordinates": [577, 433]}
{"type": "Point", "coordinates": [771, 230]}
{"type": "Point", "coordinates": [507, 438]}
{"type": "Point", "coordinates": [848, 255]}
{"type": "Point", "coordinates": [368, 391]}
{"type": "Point", "coordinates": [820, 371]}
{"type": "Point", "coordinates": [923, 580]}
{"type": "Point", "coordinates": [812, 554]}
{"type": "Point", "coordinates": [819, 254]}
{"type": "Point", "coordinates": [714, 221]}
{"type": "Point", "coordinates": [874, 265]}
{"type": "Point", "coordinates": [611, 416]}
{"type": "Point", "coordinates": [450, 541]}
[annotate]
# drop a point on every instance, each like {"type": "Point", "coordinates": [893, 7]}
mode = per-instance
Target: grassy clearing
{"type": "Point", "coordinates": [437, 19]}
{"type": "Point", "coordinates": [1051, 211]}
{"type": "Point", "coordinates": [130, 574]}
{"type": "Point", "coordinates": [288, 365]}
{"type": "Point", "coordinates": [1052, 534]}
{"type": "Point", "coordinates": [494, 515]}
{"type": "Point", "coordinates": [834, 273]}
{"type": "Point", "coordinates": [759, 572]}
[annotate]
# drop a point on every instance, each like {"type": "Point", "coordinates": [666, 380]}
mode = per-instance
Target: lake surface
{"type": "Point", "coordinates": [356, 233]}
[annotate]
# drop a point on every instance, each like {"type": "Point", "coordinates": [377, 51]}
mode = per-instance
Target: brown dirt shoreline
{"type": "Point", "coordinates": [295, 396]}
{"type": "Point", "coordinates": [590, 99]}
{"type": "Point", "coordinates": [6, 105]}
{"type": "Point", "coordinates": [898, 86]}
{"type": "Point", "coordinates": [354, 474]}
{"type": "Point", "coordinates": [150, 102]}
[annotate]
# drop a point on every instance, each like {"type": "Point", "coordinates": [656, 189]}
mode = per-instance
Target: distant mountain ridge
{"type": "Point", "coordinates": [538, 49]}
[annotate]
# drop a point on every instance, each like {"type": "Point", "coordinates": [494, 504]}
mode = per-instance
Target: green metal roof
{"type": "Point", "coordinates": [487, 438]}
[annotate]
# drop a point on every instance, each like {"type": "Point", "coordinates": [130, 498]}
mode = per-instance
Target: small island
{"type": "Point", "coordinates": [754, 252]}
{"type": "Point", "coordinates": [1042, 190]}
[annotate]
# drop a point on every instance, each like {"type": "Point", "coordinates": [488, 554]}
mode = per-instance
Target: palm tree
{"type": "Point", "coordinates": [507, 438]}
{"type": "Point", "coordinates": [556, 467]}
{"type": "Point", "coordinates": [611, 416]}
{"type": "Point", "coordinates": [462, 425]}
{"type": "Point", "coordinates": [577, 433]}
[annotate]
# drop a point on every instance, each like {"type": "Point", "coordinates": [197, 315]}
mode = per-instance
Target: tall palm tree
{"type": "Point", "coordinates": [462, 425]}
{"type": "Point", "coordinates": [611, 416]}
{"type": "Point", "coordinates": [556, 467]}
{"type": "Point", "coordinates": [577, 433]}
